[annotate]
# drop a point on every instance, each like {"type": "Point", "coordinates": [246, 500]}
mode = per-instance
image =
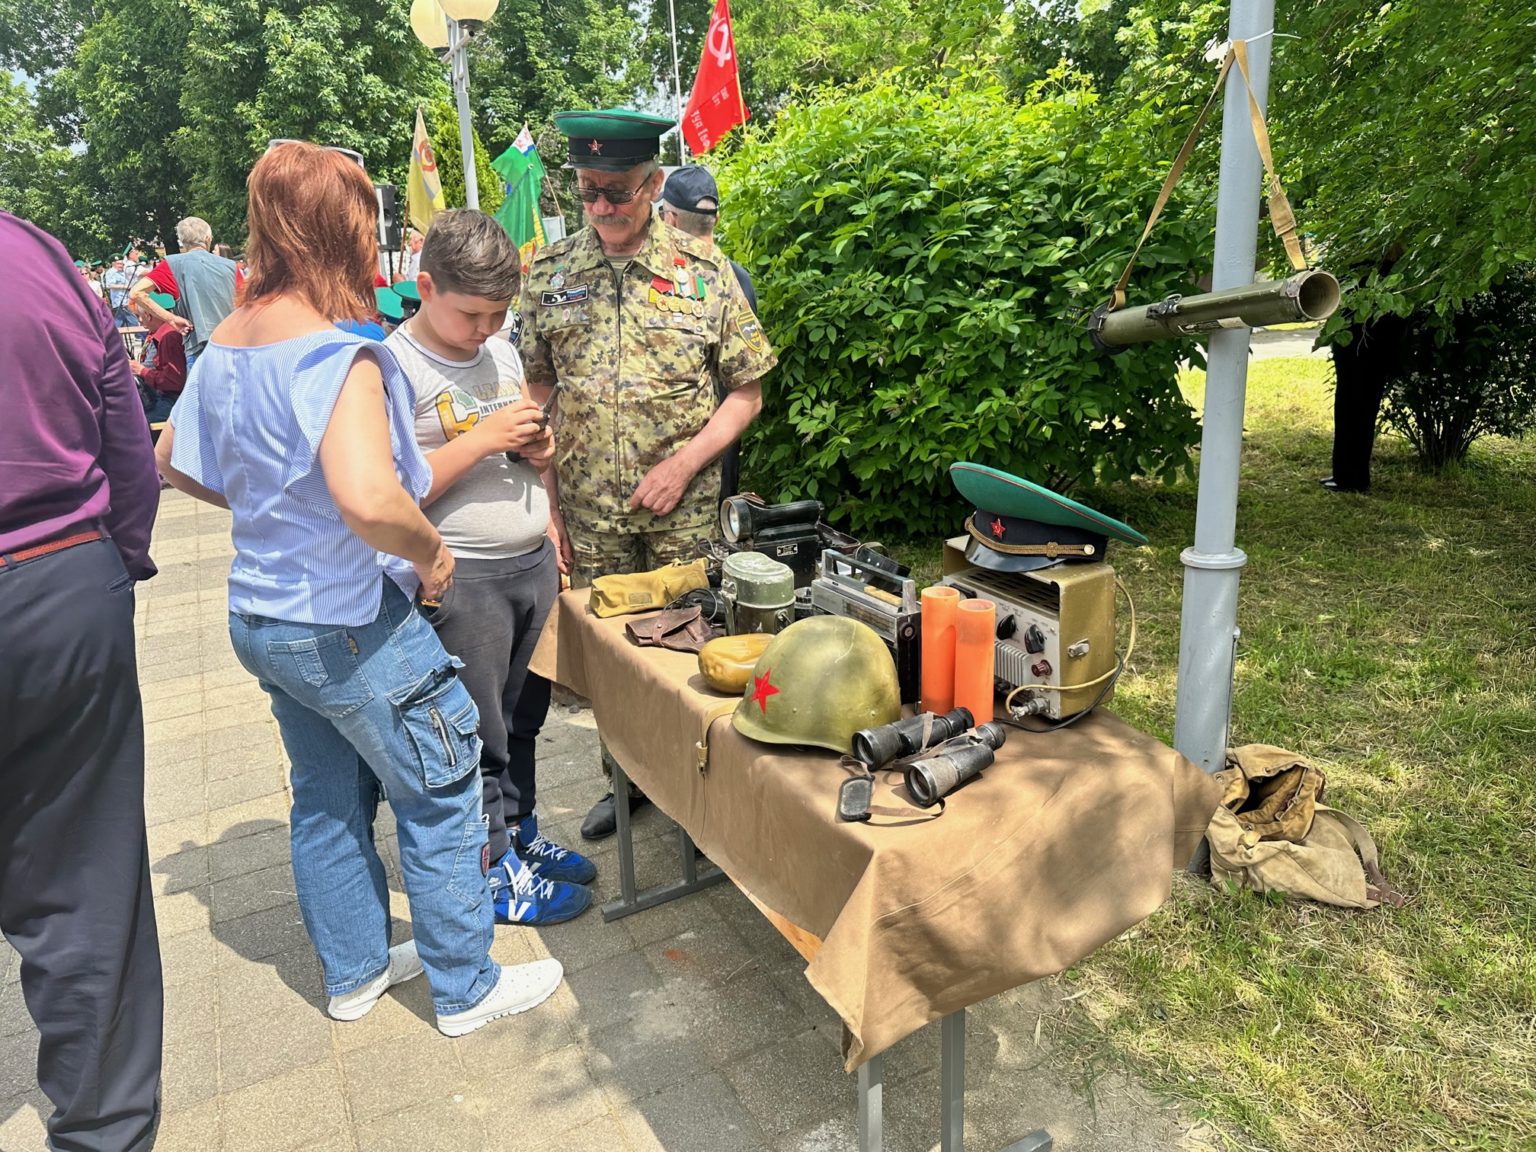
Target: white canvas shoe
{"type": "Point", "coordinates": [404, 965]}
{"type": "Point", "coordinates": [521, 987]}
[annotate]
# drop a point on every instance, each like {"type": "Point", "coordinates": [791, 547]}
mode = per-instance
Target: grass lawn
{"type": "Point", "coordinates": [1392, 638]}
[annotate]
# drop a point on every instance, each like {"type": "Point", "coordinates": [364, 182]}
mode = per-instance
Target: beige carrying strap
{"type": "Point", "coordinates": [1378, 887]}
{"type": "Point", "coordinates": [723, 708]}
{"type": "Point", "coordinates": [1280, 214]}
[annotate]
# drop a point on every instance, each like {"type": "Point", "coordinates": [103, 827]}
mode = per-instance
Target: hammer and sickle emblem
{"type": "Point", "coordinates": [719, 46]}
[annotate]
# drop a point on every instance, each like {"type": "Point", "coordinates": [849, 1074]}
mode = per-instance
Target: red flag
{"type": "Point", "coordinates": [716, 105]}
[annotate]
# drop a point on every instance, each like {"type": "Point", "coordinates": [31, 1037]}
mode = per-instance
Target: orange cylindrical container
{"type": "Point", "coordinates": [939, 604]}
{"type": "Point", "coordinates": [975, 638]}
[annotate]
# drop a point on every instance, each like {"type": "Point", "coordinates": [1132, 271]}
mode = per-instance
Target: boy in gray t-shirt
{"type": "Point", "coordinates": [488, 445]}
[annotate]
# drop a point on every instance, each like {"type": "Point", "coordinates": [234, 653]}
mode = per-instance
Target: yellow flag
{"type": "Point", "coordinates": [423, 190]}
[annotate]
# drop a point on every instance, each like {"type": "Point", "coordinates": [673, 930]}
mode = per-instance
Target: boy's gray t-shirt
{"type": "Point", "coordinates": [497, 509]}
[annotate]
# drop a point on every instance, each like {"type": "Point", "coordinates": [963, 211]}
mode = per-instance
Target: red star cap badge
{"type": "Point", "coordinates": [596, 147]}
{"type": "Point", "coordinates": [999, 529]}
{"type": "Point", "coordinates": [762, 689]}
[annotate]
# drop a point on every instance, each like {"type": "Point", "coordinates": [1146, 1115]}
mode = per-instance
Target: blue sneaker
{"type": "Point", "coordinates": [547, 858]}
{"type": "Point", "coordinates": [521, 897]}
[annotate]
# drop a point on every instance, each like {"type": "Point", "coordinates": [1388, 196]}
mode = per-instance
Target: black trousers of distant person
{"type": "Point", "coordinates": [75, 898]}
{"type": "Point", "coordinates": [1361, 371]}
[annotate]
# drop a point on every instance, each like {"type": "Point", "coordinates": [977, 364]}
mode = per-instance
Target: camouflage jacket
{"type": "Point", "coordinates": [637, 357]}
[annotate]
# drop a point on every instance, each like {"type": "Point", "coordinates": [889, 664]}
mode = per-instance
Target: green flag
{"type": "Point", "coordinates": [520, 168]}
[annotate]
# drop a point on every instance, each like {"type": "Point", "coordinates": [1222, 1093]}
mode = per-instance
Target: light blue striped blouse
{"type": "Point", "coordinates": [249, 426]}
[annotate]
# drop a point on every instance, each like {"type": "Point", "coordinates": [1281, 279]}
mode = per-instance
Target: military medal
{"type": "Point", "coordinates": [557, 281]}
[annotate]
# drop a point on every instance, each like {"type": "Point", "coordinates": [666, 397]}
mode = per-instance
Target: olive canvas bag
{"type": "Point", "coordinates": [1272, 833]}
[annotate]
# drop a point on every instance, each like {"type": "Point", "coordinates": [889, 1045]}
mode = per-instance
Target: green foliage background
{"type": "Point", "coordinates": [925, 258]}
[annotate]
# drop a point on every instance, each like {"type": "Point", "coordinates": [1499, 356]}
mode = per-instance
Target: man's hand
{"type": "Point", "coordinates": [663, 486]}
{"type": "Point", "coordinates": [136, 368]}
{"type": "Point", "coordinates": [512, 427]}
{"type": "Point", "coordinates": [181, 324]}
{"type": "Point", "coordinates": [562, 543]}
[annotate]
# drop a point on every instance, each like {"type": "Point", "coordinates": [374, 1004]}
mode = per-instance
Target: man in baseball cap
{"type": "Point", "coordinates": [690, 200]}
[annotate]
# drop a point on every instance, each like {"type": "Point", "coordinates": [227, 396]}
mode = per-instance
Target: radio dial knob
{"type": "Point", "coordinates": [1034, 639]}
{"type": "Point", "coordinates": [1006, 627]}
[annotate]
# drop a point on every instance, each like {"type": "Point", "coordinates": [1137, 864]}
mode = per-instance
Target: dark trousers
{"type": "Point", "coordinates": [75, 899]}
{"type": "Point", "coordinates": [1361, 369]}
{"type": "Point", "coordinates": [491, 619]}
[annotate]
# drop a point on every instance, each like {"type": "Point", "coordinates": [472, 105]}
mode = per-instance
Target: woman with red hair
{"type": "Point", "coordinates": [306, 434]}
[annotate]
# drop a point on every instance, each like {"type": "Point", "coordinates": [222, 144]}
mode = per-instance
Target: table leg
{"type": "Point", "coordinates": [952, 1082]}
{"type": "Point", "coordinates": [620, 784]}
{"type": "Point", "coordinates": [952, 1093]}
{"type": "Point", "coordinates": [631, 898]}
{"type": "Point", "coordinates": [871, 1099]}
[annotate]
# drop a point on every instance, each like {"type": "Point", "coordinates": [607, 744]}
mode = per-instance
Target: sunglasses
{"type": "Point", "coordinates": [612, 195]}
{"type": "Point", "coordinates": [352, 155]}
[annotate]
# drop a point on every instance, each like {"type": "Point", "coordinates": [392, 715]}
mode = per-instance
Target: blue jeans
{"type": "Point", "coordinates": [360, 707]}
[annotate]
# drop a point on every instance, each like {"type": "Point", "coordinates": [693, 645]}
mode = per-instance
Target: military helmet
{"type": "Point", "coordinates": [818, 682]}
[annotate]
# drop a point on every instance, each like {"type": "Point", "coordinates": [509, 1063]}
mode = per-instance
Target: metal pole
{"type": "Point", "coordinates": [1213, 567]}
{"type": "Point", "coordinates": [458, 68]}
{"type": "Point", "coordinates": [677, 87]}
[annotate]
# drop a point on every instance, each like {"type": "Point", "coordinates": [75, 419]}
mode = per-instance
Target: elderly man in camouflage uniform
{"type": "Point", "coordinates": [635, 321]}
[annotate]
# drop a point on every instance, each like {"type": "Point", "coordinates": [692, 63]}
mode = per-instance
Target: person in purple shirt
{"type": "Point", "coordinates": [78, 493]}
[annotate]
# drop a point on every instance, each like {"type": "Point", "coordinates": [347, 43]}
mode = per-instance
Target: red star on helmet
{"type": "Point", "coordinates": [999, 529]}
{"type": "Point", "coordinates": [762, 689]}
{"type": "Point", "coordinates": [596, 147]}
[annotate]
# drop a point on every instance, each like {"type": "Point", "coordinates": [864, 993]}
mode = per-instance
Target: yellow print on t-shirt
{"type": "Point", "coordinates": [458, 411]}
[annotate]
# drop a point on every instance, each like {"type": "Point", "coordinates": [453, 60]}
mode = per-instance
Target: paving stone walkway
{"type": "Point", "coordinates": [688, 1028]}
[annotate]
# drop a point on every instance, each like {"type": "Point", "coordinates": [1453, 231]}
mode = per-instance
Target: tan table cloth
{"type": "Point", "coordinates": [1070, 838]}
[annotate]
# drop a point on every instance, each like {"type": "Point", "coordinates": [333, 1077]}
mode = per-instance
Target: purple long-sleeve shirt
{"type": "Point", "coordinates": [74, 445]}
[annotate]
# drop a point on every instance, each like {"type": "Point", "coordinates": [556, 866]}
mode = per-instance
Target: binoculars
{"type": "Point", "coordinates": [954, 762]}
{"type": "Point", "coordinates": [877, 747]}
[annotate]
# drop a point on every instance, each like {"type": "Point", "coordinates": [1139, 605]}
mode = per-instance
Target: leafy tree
{"type": "Point", "coordinates": [1480, 381]}
{"type": "Point", "coordinates": [1406, 133]}
{"type": "Point", "coordinates": [34, 166]}
{"type": "Point", "coordinates": [442, 119]}
{"type": "Point", "coordinates": [785, 46]}
{"type": "Point", "coordinates": [125, 93]}
{"type": "Point", "coordinates": [536, 59]}
{"type": "Point", "coordinates": [345, 72]}
{"type": "Point", "coordinates": [924, 283]}
{"type": "Point", "coordinates": [1085, 37]}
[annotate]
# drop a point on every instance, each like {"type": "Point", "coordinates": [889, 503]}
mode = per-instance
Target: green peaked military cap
{"type": "Point", "coordinates": [1019, 526]}
{"type": "Point", "coordinates": [407, 290]}
{"type": "Point", "coordinates": [164, 299]}
{"type": "Point", "coordinates": [389, 304]}
{"type": "Point", "coordinates": [612, 139]}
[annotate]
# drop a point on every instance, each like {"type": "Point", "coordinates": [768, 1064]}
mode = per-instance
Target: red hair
{"type": "Point", "coordinates": [313, 222]}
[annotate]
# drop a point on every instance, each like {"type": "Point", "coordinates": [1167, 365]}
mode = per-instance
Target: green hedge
{"type": "Point", "coordinates": [924, 259]}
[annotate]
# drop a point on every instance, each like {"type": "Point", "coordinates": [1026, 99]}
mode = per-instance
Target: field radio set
{"type": "Point", "coordinates": [1055, 631]}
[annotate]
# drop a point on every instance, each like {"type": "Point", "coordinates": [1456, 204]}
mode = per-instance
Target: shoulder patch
{"type": "Point", "coordinates": [751, 330]}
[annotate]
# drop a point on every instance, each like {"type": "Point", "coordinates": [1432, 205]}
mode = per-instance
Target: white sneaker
{"type": "Point", "coordinates": [521, 987]}
{"type": "Point", "coordinates": [404, 965]}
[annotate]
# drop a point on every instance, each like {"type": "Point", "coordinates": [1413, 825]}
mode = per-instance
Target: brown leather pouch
{"type": "Point", "coordinates": [680, 629]}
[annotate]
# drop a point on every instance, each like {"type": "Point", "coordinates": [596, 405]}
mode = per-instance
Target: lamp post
{"type": "Point", "coordinates": [447, 28]}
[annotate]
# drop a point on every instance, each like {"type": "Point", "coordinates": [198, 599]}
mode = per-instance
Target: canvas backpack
{"type": "Point", "coordinates": [1272, 833]}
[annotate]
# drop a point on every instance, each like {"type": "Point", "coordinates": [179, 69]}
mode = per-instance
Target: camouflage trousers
{"type": "Point", "coordinates": [597, 554]}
